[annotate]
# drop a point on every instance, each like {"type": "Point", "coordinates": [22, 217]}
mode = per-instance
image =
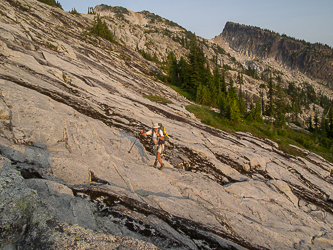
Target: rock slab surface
{"type": "Point", "coordinates": [71, 110]}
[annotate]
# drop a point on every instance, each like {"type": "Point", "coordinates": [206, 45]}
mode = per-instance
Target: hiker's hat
{"type": "Point", "coordinates": [156, 125]}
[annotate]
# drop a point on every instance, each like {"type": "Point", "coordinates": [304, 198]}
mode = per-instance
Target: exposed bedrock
{"type": "Point", "coordinates": [68, 118]}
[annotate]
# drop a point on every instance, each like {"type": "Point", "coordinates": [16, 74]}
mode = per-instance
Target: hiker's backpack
{"type": "Point", "coordinates": [166, 137]}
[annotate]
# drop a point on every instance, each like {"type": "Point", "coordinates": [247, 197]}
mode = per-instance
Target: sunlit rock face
{"type": "Point", "coordinates": [314, 60]}
{"type": "Point", "coordinates": [70, 111]}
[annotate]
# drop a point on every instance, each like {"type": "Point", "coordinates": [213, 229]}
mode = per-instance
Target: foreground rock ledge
{"type": "Point", "coordinates": [29, 222]}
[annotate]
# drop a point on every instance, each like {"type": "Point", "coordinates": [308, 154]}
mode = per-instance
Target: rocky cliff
{"type": "Point", "coordinates": [71, 107]}
{"type": "Point", "coordinates": [314, 60]}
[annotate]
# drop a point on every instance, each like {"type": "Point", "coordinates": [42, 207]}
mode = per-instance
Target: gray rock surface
{"type": "Point", "coordinates": [34, 215]}
{"type": "Point", "coordinates": [77, 108]}
{"type": "Point", "coordinates": [289, 53]}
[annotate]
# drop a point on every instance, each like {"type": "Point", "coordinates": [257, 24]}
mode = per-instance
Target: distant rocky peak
{"type": "Point", "coordinates": [314, 60]}
{"type": "Point", "coordinates": [142, 18]}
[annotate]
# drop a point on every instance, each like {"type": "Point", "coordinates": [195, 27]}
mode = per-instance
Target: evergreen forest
{"type": "Point", "coordinates": [192, 77]}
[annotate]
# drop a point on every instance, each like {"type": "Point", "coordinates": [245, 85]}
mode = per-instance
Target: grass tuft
{"type": "Point", "coordinates": [158, 99]}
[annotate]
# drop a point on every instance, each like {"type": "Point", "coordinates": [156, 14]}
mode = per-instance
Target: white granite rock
{"type": "Point", "coordinates": [77, 111]}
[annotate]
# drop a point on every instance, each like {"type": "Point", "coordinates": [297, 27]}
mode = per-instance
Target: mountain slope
{"type": "Point", "coordinates": [72, 105]}
{"type": "Point", "coordinates": [314, 60]}
{"type": "Point", "coordinates": [152, 35]}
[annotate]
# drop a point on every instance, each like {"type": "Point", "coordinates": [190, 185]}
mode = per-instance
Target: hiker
{"type": "Point", "coordinates": [158, 139]}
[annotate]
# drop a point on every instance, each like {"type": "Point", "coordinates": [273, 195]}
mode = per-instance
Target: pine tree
{"type": "Point", "coordinates": [217, 80]}
{"type": "Point", "coordinates": [183, 41]}
{"type": "Point", "coordinates": [172, 69]}
{"type": "Point", "coordinates": [224, 85]}
{"type": "Point", "coordinates": [101, 29]}
{"type": "Point", "coordinates": [241, 103]}
{"type": "Point", "coordinates": [233, 112]}
{"type": "Point", "coordinates": [223, 105]}
{"type": "Point", "coordinates": [198, 98]}
{"type": "Point", "coordinates": [240, 82]}
{"type": "Point", "coordinates": [280, 105]}
{"type": "Point", "coordinates": [183, 69]}
{"type": "Point", "coordinates": [194, 69]}
{"type": "Point", "coordinates": [330, 130]}
{"type": "Point", "coordinates": [271, 94]}
{"type": "Point", "coordinates": [203, 95]}
{"type": "Point", "coordinates": [230, 104]}
{"type": "Point", "coordinates": [324, 126]}
{"type": "Point", "coordinates": [255, 114]}
{"type": "Point", "coordinates": [310, 125]}
{"type": "Point", "coordinates": [316, 122]}
{"type": "Point", "coordinates": [198, 72]}
{"type": "Point", "coordinates": [232, 90]}
{"type": "Point", "coordinates": [280, 120]}
{"type": "Point", "coordinates": [262, 102]}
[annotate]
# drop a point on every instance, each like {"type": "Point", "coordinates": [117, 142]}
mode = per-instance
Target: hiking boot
{"type": "Point", "coordinates": [162, 166]}
{"type": "Point", "coordinates": [155, 164]}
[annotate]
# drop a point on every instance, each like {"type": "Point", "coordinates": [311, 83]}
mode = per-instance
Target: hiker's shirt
{"type": "Point", "coordinates": [155, 138]}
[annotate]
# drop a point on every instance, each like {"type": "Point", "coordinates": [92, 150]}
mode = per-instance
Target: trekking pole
{"type": "Point", "coordinates": [133, 145]}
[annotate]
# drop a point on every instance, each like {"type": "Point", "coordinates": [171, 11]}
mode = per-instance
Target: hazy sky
{"type": "Point", "coordinates": [311, 20]}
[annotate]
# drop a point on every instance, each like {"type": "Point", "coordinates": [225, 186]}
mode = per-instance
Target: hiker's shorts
{"type": "Point", "coordinates": [158, 148]}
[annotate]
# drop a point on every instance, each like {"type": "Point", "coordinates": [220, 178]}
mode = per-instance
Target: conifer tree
{"type": "Point", "coordinates": [217, 87]}
{"type": "Point", "coordinates": [232, 93]}
{"type": "Point", "coordinates": [310, 125]}
{"type": "Point", "coordinates": [229, 104]}
{"type": "Point", "coordinates": [198, 72]}
{"type": "Point", "coordinates": [271, 95]}
{"type": "Point", "coordinates": [203, 95]}
{"type": "Point", "coordinates": [280, 120]}
{"type": "Point", "coordinates": [330, 129]}
{"type": "Point", "coordinates": [255, 114]}
{"type": "Point", "coordinates": [183, 70]}
{"type": "Point", "coordinates": [241, 103]}
{"type": "Point", "coordinates": [217, 80]}
{"type": "Point", "coordinates": [262, 102]}
{"type": "Point", "coordinates": [316, 122]}
{"type": "Point", "coordinates": [172, 69]}
{"type": "Point", "coordinates": [323, 126]}
{"type": "Point", "coordinates": [240, 82]}
{"type": "Point", "coordinates": [223, 105]}
{"type": "Point", "coordinates": [224, 85]}
{"type": "Point", "coordinates": [194, 69]}
{"type": "Point", "coordinates": [198, 98]}
{"type": "Point", "coordinates": [280, 105]}
{"type": "Point", "coordinates": [101, 29]}
{"type": "Point", "coordinates": [233, 112]}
